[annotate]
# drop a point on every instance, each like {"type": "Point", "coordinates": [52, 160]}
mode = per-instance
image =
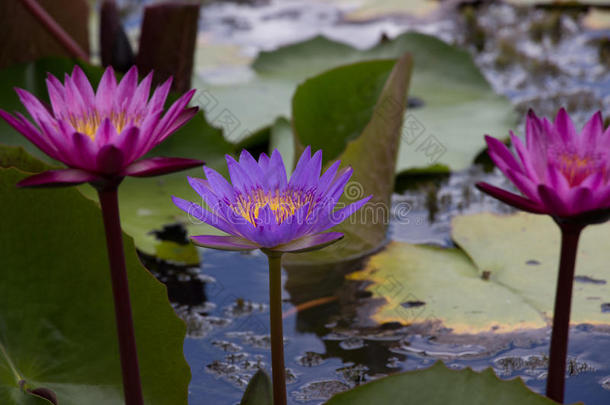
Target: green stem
{"type": "Point", "coordinates": [555, 384]}
{"type": "Point", "coordinates": [132, 387]}
{"type": "Point", "coordinates": [277, 334]}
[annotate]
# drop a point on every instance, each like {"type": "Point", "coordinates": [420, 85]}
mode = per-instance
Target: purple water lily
{"type": "Point", "coordinates": [265, 209]}
{"type": "Point", "coordinates": [101, 135]}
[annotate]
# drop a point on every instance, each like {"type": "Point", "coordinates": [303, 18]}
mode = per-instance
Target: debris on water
{"type": "Point", "coordinates": [605, 383]}
{"type": "Point", "coordinates": [532, 262]}
{"type": "Point", "coordinates": [590, 280]}
{"type": "Point", "coordinates": [356, 374]}
{"type": "Point", "coordinates": [412, 304]}
{"type": "Point", "coordinates": [605, 307]}
{"type": "Point", "coordinates": [310, 359]}
{"type": "Point", "coordinates": [226, 346]}
{"type": "Point", "coordinates": [243, 307]}
{"type": "Point", "coordinates": [351, 343]}
{"type": "Point", "coordinates": [320, 390]}
{"type": "Point", "coordinates": [485, 275]}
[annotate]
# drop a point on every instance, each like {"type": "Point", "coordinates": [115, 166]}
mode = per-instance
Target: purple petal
{"type": "Point", "coordinates": [276, 172]}
{"type": "Point", "coordinates": [128, 143]}
{"type": "Point", "coordinates": [251, 167]}
{"type": "Point", "coordinates": [157, 101]}
{"type": "Point", "coordinates": [295, 178]}
{"type": "Point", "coordinates": [224, 242]}
{"type": "Point", "coordinates": [198, 212]}
{"type": "Point", "coordinates": [219, 184]}
{"type": "Point", "coordinates": [511, 199]}
{"type": "Point", "coordinates": [160, 165]}
{"type": "Point", "coordinates": [328, 176]}
{"type": "Point", "coordinates": [56, 95]}
{"type": "Point", "coordinates": [311, 242]}
{"type": "Point", "coordinates": [335, 218]}
{"type": "Point", "coordinates": [239, 178]}
{"type": "Point", "coordinates": [54, 178]}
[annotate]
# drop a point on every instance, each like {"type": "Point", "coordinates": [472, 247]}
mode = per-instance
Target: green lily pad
{"type": "Point", "coordinates": [439, 385]}
{"type": "Point", "coordinates": [438, 135]}
{"type": "Point", "coordinates": [258, 391]}
{"type": "Point", "coordinates": [521, 253]}
{"type": "Point", "coordinates": [429, 284]}
{"type": "Point", "coordinates": [57, 327]}
{"type": "Point", "coordinates": [354, 114]}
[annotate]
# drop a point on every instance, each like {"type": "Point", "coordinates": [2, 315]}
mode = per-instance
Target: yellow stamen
{"type": "Point", "coordinates": [89, 124]}
{"type": "Point", "coordinates": [284, 205]}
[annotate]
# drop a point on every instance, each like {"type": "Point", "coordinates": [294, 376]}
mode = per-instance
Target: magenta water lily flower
{"type": "Point", "coordinates": [566, 175]}
{"type": "Point", "coordinates": [559, 171]}
{"type": "Point", "coordinates": [262, 208]}
{"type": "Point", "coordinates": [101, 135]}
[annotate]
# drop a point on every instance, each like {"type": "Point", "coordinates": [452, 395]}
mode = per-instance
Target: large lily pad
{"type": "Point", "coordinates": [439, 385]}
{"type": "Point", "coordinates": [439, 135]}
{"type": "Point", "coordinates": [57, 326]}
{"type": "Point", "coordinates": [428, 284]}
{"type": "Point", "coordinates": [521, 253]}
{"type": "Point", "coordinates": [354, 114]}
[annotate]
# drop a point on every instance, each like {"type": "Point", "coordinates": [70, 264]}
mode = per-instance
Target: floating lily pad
{"type": "Point", "coordinates": [374, 9]}
{"type": "Point", "coordinates": [428, 284]}
{"type": "Point", "coordinates": [439, 385]}
{"type": "Point", "coordinates": [448, 87]}
{"type": "Point", "coordinates": [521, 253]}
{"type": "Point", "coordinates": [57, 327]}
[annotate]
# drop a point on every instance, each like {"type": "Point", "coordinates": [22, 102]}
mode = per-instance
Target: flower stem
{"type": "Point", "coordinates": [277, 334]}
{"type": "Point", "coordinates": [55, 29]}
{"type": "Point", "coordinates": [132, 386]}
{"type": "Point", "coordinates": [555, 384]}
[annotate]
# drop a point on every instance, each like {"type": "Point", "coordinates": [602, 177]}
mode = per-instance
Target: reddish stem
{"type": "Point", "coordinates": [132, 386]}
{"type": "Point", "coordinates": [555, 384]}
{"type": "Point", "coordinates": [55, 29]}
{"type": "Point", "coordinates": [277, 335]}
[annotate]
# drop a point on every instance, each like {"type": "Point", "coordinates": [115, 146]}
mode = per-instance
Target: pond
{"type": "Point", "coordinates": [331, 344]}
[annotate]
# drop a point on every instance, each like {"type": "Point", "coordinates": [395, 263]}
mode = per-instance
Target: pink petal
{"type": "Point", "coordinates": [224, 242]}
{"type": "Point", "coordinates": [592, 131]}
{"type": "Point", "coordinates": [83, 151]}
{"type": "Point", "coordinates": [311, 242]}
{"type": "Point", "coordinates": [128, 141]}
{"type": "Point", "coordinates": [51, 178]}
{"type": "Point", "coordinates": [126, 89]}
{"type": "Point", "coordinates": [110, 160]}
{"type": "Point", "coordinates": [511, 199]}
{"type": "Point", "coordinates": [84, 87]}
{"type": "Point", "coordinates": [554, 205]}
{"type": "Point", "coordinates": [502, 157]}
{"type": "Point", "coordinates": [105, 92]}
{"type": "Point", "coordinates": [56, 95]}
{"type": "Point", "coordinates": [160, 165]}
{"type": "Point", "coordinates": [30, 132]}
{"type": "Point", "coordinates": [140, 97]}
{"type": "Point", "coordinates": [565, 127]}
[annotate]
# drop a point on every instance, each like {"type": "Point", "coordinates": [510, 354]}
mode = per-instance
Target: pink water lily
{"type": "Point", "coordinates": [101, 134]}
{"type": "Point", "coordinates": [559, 171]}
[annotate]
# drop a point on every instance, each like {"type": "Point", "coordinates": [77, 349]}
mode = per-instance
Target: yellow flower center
{"type": "Point", "coordinates": [88, 124]}
{"type": "Point", "coordinates": [576, 168]}
{"type": "Point", "coordinates": [284, 205]}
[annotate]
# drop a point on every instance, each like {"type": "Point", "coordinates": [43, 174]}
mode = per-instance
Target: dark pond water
{"type": "Point", "coordinates": [537, 58]}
